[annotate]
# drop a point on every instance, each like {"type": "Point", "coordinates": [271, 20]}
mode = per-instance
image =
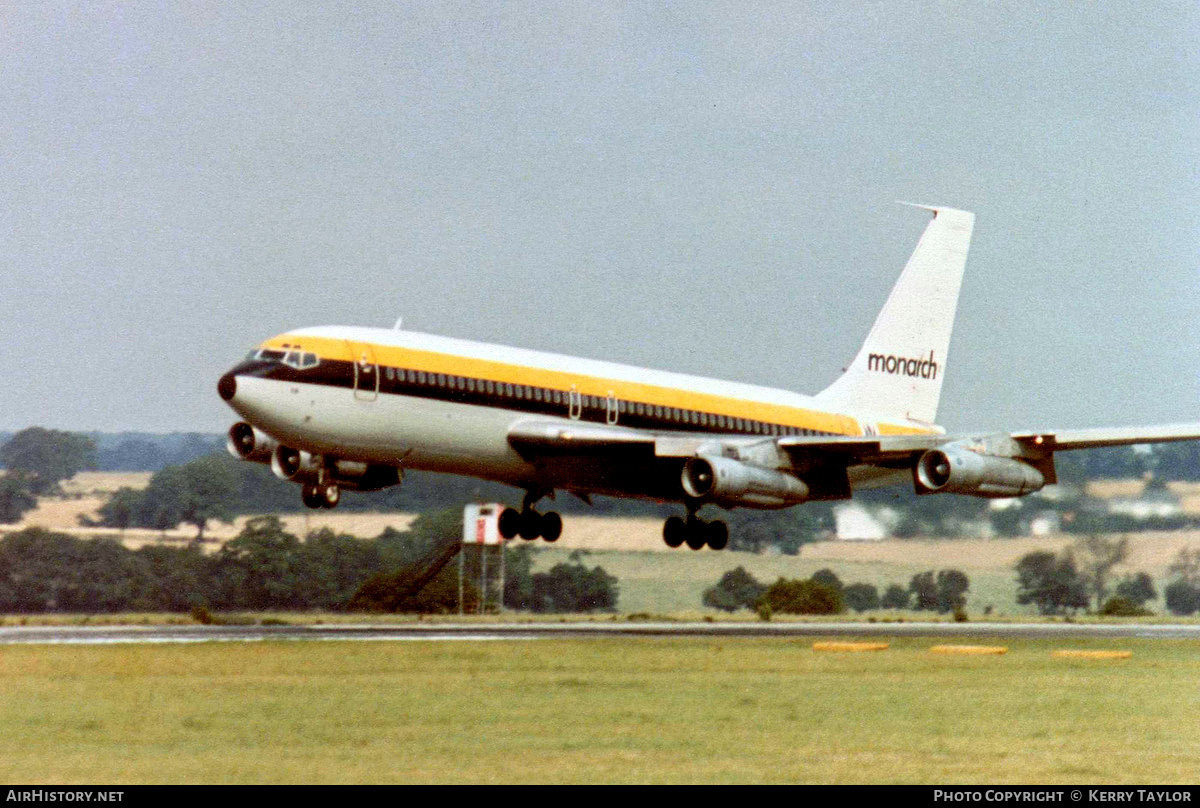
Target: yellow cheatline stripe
{"type": "Point", "coordinates": [1079, 654]}
{"type": "Point", "coordinates": [849, 646]}
{"type": "Point", "coordinates": [428, 361]}
{"type": "Point", "coordinates": [970, 650]}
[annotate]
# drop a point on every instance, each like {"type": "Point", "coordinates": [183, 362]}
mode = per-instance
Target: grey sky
{"type": "Point", "coordinates": [702, 187]}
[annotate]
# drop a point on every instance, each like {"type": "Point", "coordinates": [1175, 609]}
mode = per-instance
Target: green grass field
{"type": "Point", "coordinates": [614, 710]}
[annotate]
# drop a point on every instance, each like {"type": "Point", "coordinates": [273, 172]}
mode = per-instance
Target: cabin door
{"type": "Point", "coordinates": [366, 372]}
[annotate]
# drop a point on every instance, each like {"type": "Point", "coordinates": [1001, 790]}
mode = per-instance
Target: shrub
{"type": "Point", "coordinates": [737, 589]}
{"type": "Point", "coordinates": [802, 597]}
{"type": "Point", "coordinates": [1118, 606]}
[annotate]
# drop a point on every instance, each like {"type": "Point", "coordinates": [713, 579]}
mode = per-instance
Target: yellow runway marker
{"type": "Point", "coordinates": [850, 646]}
{"type": "Point", "coordinates": [1075, 654]}
{"type": "Point", "coordinates": [973, 650]}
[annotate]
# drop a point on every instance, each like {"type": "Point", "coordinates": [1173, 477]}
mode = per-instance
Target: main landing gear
{"type": "Point", "coordinates": [695, 532]}
{"type": "Point", "coordinates": [326, 495]}
{"type": "Point", "coordinates": [528, 523]}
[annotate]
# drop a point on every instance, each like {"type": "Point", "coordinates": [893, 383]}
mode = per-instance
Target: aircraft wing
{"type": "Point", "coordinates": [533, 436]}
{"type": "Point", "coordinates": [1099, 438]}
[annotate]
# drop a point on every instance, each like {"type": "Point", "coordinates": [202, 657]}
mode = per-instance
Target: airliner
{"type": "Point", "coordinates": [343, 407]}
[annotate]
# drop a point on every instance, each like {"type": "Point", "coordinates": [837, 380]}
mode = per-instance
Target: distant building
{"type": "Point", "coordinates": [854, 522]}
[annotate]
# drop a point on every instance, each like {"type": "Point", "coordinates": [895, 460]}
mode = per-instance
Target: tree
{"type": "Point", "coordinates": [828, 578]}
{"type": "Point", "coordinates": [47, 456]}
{"type": "Point", "coordinates": [518, 575]}
{"type": "Point", "coordinates": [1050, 582]}
{"type": "Point", "coordinates": [787, 529]}
{"type": "Point", "coordinates": [1182, 598]}
{"type": "Point", "coordinates": [802, 597]}
{"type": "Point", "coordinates": [210, 490]}
{"type": "Point", "coordinates": [194, 493]}
{"type": "Point", "coordinates": [924, 590]}
{"type": "Point", "coordinates": [1137, 589]}
{"type": "Point", "coordinates": [16, 497]}
{"type": "Point", "coordinates": [861, 597]}
{"type": "Point", "coordinates": [1097, 557]}
{"type": "Point", "coordinates": [258, 568]}
{"type": "Point", "coordinates": [896, 597]}
{"type": "Point", "coordinates": [952, 586]}
{"type": "Point", "coordinates": [572, 587]}
{"type": "Point", "coordinates": [737, 589]}
{"type": "Point", "coordinates": [1186, 566]}
{"type": "Point", "coordinates": [1183, 594]}
{"type": "Point", "coordinates": [121, 509]}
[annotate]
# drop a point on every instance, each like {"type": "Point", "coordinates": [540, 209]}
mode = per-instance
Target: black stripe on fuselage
{"type": "Point", "coordinates": [367, 380]}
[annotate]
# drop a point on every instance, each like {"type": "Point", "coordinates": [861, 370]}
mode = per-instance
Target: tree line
{"type": "Point", "coordinates": [1080, 578]}
{"type": "Point", "coordinates": [824, 593]}
{"type": "Point", "coordinates": [268, 568]}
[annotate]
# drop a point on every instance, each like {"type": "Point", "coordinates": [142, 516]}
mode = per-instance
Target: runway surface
{"type": "Point", "coordinates": [102, 635]}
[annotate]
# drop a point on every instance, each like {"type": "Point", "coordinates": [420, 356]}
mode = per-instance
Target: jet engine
{"type": "Point", "coordinates": [295, 465]}
{"type": "Point", "coordinates": [732, 482]}
{"type": "Point", "coordinates": [299, 466]}
{"type": "Point", "coordinates": [959, 471]}
{"type": "Point", "coordinates": [247, 443]}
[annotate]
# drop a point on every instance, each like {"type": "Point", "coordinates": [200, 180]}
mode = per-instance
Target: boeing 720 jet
{"type": "Point", "coordinates": [340, 407]}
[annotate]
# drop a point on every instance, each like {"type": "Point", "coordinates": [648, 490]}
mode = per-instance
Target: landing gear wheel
{"type": "Point", "coordinates": [510, 523]}
{"type": "Point", "coordinates": [311, 496]}
{"type": "Point", "coordinates": [674, 531]}
{"type": "Point", "coordinates": [531, 524]}
{"type": "Point", "coordinates": [330, 495]}
{"type": "Point", "coordinates": [697, 531]}
{"type": "Point", "coordinates": [550, 526]}
{"type": "Point", "coordinates": [717, 535]}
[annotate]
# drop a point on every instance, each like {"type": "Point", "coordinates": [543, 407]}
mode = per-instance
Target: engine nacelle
{"type": "Point", "coordinates": [359, 476]}
{"type": "Point", "coordinates": [959, 471]}
{"type": "Point", "coordinates": [298, 466]}
{"type": "Point", "coordinates": [247, 443]}
{"type": "Point", "coordinates": [295, 465]}
{"type": "Point", "coordinates": [732, 482]}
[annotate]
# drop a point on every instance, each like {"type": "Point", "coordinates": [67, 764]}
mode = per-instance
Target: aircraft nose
{"type": "Point", "coordinates": [227, 386]}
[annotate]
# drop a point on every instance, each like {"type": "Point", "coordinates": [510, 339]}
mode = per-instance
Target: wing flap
{"type": "Point", "coordinates": [883, 449]}
{"type": "Point", "coordinates": [559, 438]}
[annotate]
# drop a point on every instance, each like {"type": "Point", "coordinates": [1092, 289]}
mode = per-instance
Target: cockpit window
{"type": "Point", "coordinates": [292, 357]}
{"type": "Point", "coordinates": [266, 354]}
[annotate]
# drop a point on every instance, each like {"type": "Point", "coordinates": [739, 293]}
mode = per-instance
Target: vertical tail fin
{"type": "Point", "coordinates": [898, 372]}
